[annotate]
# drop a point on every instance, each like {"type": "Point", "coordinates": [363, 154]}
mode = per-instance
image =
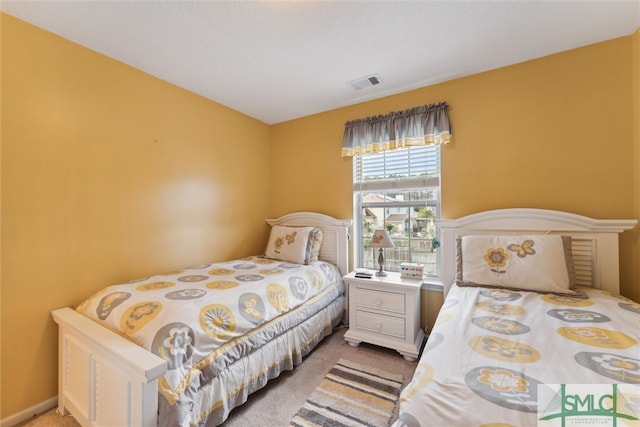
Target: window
{"type": "Point", "coordinates": [398, 190]}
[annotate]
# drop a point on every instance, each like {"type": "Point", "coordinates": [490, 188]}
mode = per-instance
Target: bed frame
{"type": "Point", "coordinates": [594, 241]}
{"type": "Point", "coordinates": [439, 379]}
{"type": "Point", "coordinates": [106, 380]}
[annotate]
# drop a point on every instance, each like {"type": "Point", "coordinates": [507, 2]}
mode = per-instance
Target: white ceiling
{"type": "Point", "coordinates": [280, 60]}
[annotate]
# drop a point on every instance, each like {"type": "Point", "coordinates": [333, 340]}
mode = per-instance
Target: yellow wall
{"type": "Point", "coordinates": [108, 174]}
{"type": "Point", "coordinates": [554, 133]}
{"type": "Point", "coordinates": [635, 234]}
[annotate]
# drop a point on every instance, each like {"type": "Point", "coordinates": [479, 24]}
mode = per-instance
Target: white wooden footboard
{"type": "Point", "coordinates": [104, 379]}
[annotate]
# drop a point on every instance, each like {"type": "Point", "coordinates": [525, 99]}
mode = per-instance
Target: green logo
{"type": "Point", "coordinates": [586, 404]}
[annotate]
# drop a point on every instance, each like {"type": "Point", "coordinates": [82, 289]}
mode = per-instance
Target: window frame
{"type": "Point", "coordinates": [426, 180]}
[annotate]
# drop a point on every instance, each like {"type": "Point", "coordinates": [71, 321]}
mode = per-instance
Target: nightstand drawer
{"type": "Point", "coordinates": [379, 301]}
{"type": "Point", "coordinates": [380, 324]}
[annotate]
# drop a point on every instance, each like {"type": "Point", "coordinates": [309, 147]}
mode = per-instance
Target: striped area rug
{"type": "Point", "coordinates": [351, 395]}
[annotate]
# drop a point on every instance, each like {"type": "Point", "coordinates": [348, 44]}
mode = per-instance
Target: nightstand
{"type": "Point", "coordinates": [385, 311]}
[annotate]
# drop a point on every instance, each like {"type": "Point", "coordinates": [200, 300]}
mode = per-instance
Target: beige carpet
{"type": "Point", "coordinates": [278, 402]}
{"type": "Point", "coordinates": [51, 419]}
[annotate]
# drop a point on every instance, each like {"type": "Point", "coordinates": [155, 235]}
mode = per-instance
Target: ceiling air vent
{"type": "Point", "coordinates": [364, 82]}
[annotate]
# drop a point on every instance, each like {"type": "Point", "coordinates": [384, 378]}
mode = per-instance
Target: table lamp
{"type": "Point", "coordinates": [381, 239]}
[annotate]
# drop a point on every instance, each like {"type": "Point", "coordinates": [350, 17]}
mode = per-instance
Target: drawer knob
{"type": "Point", "coordinates": [378, 326]}
{"type": "Point", "coordinates": [379, 302]}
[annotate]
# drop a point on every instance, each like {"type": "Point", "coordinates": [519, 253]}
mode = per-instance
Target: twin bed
{"type": "Point", "coordinates": [186, 347]}
{"type": "Point", "coordinates": [508, 337]}
{"type": "Point", "coordinates": [504, 328]}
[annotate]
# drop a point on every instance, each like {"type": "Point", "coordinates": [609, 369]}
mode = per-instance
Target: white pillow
{"type": "Point", "coordinates": [529, 262]}
{"type": "Point", "coordinates": [291, 244]}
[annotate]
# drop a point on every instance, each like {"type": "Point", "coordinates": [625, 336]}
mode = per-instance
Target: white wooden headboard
{"type": "Point", "coordinates": [335, 232]}
{"type": "Point", "coordinates": [594, 241]}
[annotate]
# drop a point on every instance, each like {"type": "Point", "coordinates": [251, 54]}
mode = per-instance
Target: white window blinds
{"type": "Point", "coordinates": [405, 168]}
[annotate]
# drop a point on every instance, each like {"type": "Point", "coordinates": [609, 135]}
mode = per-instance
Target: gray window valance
{"type": "Point", "coordinates": [425, 125]}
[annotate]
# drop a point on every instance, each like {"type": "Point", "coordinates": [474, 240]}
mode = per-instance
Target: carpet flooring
{"type": "Point", "coordinates": [277, 403]}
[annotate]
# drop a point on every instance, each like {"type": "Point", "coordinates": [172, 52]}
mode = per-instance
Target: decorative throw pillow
{"type": "Point", "coordinates": [317, 244]}
{"type": "Point", "coordinates": [291, 244]}
{"type": "Point", "coordinates": [540, 263]}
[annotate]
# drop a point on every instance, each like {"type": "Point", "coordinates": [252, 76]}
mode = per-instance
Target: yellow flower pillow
{"type": "Point", "coordinates": [540, 263]}
{"type": "Point", "coordinates": [291, 244]}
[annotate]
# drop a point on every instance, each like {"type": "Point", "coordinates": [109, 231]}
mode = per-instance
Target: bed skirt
{"type": "Point", "coordinates": [216, 397]}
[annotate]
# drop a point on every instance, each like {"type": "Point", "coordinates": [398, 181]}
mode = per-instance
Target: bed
{"type": "Point", "coordinates": [187, 346]}
{"type": "Point", "coordinates": [516, 350]}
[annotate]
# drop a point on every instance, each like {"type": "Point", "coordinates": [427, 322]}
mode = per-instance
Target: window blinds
{"type": "Point", "coordinates": [405, 168]}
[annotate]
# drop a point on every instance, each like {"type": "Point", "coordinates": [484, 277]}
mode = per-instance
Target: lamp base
{"type": "Point", "coordinates": [381, 272]}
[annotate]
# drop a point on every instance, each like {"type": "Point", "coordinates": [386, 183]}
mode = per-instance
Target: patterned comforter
{"type": "Point", "coordinates": [204, 319]}
{"type": "Point", "coordinates": [490, 349]}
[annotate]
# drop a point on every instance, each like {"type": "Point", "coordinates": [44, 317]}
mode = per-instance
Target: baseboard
{"type": "Point", "coordinates": [29, 413]}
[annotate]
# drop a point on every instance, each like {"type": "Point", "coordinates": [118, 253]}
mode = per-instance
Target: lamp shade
{"type": "Point", "coordinates": [381, 239]}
